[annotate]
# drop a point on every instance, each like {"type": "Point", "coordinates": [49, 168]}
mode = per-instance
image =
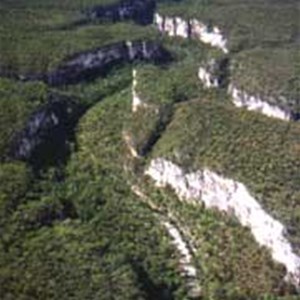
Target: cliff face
{"type": "Point", "coordinates": [240, 98]}
{"type": "Point", "coordinates": [46, 133]}
{"type": "Point", "coordinates": [256, 103]}
{"type": "Point", "coordinates": [140, 11]}
{"type": "Point", "coordinates": [176, 26]}
{"type": "Point", "coordinates": [233, 198]}
{"type": "Point", "coordinates": [136, 100]}
{"type": "Point", "coordinates": [205, 74]}
{"type": "Point", "coordinates": [90, 64]}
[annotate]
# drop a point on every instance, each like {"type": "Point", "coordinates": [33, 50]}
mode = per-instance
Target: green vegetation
{"type": "Point", "coordinates": [77, 231]}
{"type": "Point", "coordinates": [261, 152]}
{"type": "Point", "coordinates": [176, 83]}
{"type": "Point", "coordinates": [89, 93]}
{"type": "Point", "coordinates": [32, 42]}
{"type": "Point", "coordinates": [262, 32]}
{"type": "Point", "coordinates": [15, 180]}
{"type": "Point", "coordinates": [17, 101]}
{"type": "Point", "coordinates": [88, 237]}
{"type": "Point", "coordinates": [245, 23]}
{"type": "Point", "coordinates": [270, 73]}
{"type": "Point", "coordinates": [227, 255]}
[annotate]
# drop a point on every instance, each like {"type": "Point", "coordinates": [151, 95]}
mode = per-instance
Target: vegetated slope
{"type": "Point", "coordinates": [87, 236]}
{"type": "Point", "coordinates": [17, 102]}
{"type": "Point", "coordinates": [245, 23]}
{"type": "Point", "coordinates": [260, 152]}
{"type": "Point", "coordinates": [210, 133]}
{"type": "Point", "coordinates": [74, 228]}
{"type": "Point", "coordinates": [32, 43]}
{"type": "Point", "coordinates": [254, 45]}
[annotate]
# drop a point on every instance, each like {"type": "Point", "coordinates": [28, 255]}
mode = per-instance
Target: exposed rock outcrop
{"type": "Point", "coordinates": [207, 78]}
{"type": "Point", "coordinates": [215, 73]}
{"type": "Point", "coordinates": [90, 64]}
{"type": "Point", "coordinates": [176, 26]}
{"type": "Point", "coordinates": [255, 103]}
{"type": "Point", "coordinates": [185, 249]}
{"type": "Point", "coordinates": [140, 11]}
{"type": "Point", "coordinates": [45, 135]}
{"type": "Point", "coordinates": [213, 76]}
{"type": "Point", "coordinates": [233, 198]}
{"type": "Point", "coordinates": [136, 100]}
{"type": "Point", "coordinates": [188, 270]}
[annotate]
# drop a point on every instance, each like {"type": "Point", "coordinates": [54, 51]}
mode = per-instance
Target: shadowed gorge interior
{"type": "Point", "coordinates": [149, 149]}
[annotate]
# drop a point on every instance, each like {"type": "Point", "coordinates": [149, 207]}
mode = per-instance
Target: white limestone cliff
{"type": "Point", "coordinates": [136, 100]}
{"type": "Point", "coordinates": [212, 36]}
{"type": "Point", "coordinates": [184, 248]}
{"type": "Point", "coordinates": [243, 99]}
{"type": "Point", "coordinates": [208, 80]}
{"type": "Point", "coordinates": [255, 103]}
{"type": "Point", "coordinates": [176, 26]}
{"type": "Point", "coordinates": [188, 270]}
{"type": "Point", "coordinates": [130, 49]}
{"type": "Point", "coordinates": [231, 197]}
{"type": "Point", "coordinates": [186, 258]}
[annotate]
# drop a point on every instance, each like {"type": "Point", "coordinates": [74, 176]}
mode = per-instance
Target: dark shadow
{"type": "Point", "coordinates": [88, 65]}
{"type": "Point", "coordinates": [223, 67]}
{"type": "Point", "coordinates": [139, 11]}
{"type": "Point", "coordinates": [45, 140]}
{"type": "Point", "coordinates": [151, 290]}
{"type": "Point", "coordinates": [165, 117]}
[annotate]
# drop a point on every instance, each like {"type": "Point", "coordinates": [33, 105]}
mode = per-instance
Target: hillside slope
{"type": "Point", "coordinates": [150, 149]}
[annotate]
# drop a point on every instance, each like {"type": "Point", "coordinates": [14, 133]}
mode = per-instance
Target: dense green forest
{"type": "Point", "coordinates": [71, 225]}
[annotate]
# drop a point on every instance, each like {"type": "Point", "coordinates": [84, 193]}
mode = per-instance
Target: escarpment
{"type": "Point", "coordinates": [176, 26]}
{"type": "Point", "coordinates": [140, 11]}
{"type": "Point", "coordinates": [46, 133]}
{"type": "Point", "coordinates": [136, 100]}
{"type": "Point", "coordinates": [233, 198]}
{"type": "Point", "coordinates": [45, 136]}
{"type": "Point", "coordinates": [258, 103]}
{"type": "Point", "coordinates": [155, 119]}
{"type": "Point", "coordinates": [86, 147]}
{"type": "Point", "coordinates": [181, 242]}
{"type": "Point", "coordinates": [91, 64]}
{"type": "Point", "coordinates": [215, 74]}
